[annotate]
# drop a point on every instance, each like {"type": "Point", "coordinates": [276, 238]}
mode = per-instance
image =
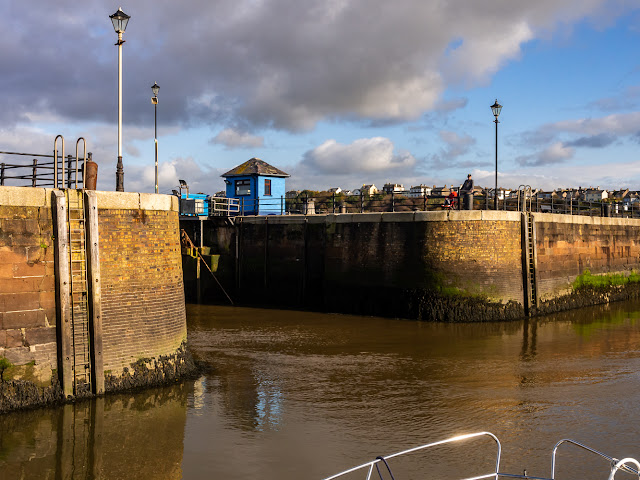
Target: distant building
{"type": "Point", "coordinates": [440, 191]}
{"type": "Point", "coordinates": [393, 188]}
{"type": "Point", "coordinates": [335, 190]}
{"type": "Point", "coordinates": [420, 191]}
{"type": "Point", "coordinates": [368, 190]}
{"type": "Point", "coordinates": [595, 195]}
{"type": "Point", "coordinates": [258, 186]}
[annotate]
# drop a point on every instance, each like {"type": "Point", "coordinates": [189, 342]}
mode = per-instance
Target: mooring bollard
{"type": "Point", "coordinates": [467, 201]}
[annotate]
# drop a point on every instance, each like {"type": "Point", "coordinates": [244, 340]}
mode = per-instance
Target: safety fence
{"type": "Point", "coordinates": [44, 170]}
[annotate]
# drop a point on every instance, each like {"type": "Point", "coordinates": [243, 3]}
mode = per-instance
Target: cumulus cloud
{"type": "Point", "coordinates": [593, 141]}
{"type": "Point", "coordinates": [283, 64]}
{"type": "Point", "coordinates": [555, 153]}
{"type": "Point", "coordinates": [231, 138]}
{"type": "Point", "coordinates": [456, 145]}
{"type": "Point", "coordinates": [364, 155]}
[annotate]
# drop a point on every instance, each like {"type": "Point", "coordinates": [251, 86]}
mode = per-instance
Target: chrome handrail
{"type": "Point", "coordinates": [616, 464]}
{"type": "Point", "coordinates": [371, 464]}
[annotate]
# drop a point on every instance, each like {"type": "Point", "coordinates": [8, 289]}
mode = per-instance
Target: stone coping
{"type": "Point", "coordinates": [436, 216]}
{"type": "Point", "coordinates": [387, 217]}
{"type": "Point", "coordinates": [41, 197]}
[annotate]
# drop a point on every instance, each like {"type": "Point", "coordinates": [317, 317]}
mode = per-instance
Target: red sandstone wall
{"type": "Point", "coordinates": [27, 281]}
{"type": "Point", "coordinates": [143, 311]}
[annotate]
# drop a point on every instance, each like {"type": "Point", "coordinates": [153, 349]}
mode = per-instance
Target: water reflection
{"type": "Point", "coordinates": [288, 395]}
{"type": "Point", "coordinates": [124, 436]}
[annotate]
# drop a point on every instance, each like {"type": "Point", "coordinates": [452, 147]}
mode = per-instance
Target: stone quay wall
{"type": "Point", "coordinates": [142, 309]}
{"type": "Point", "coordinates": [441, 266]}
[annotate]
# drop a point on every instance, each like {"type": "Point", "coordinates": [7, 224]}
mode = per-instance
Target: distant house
{"type": "Point", "coordinates": [335, 190]}
{"type": "Point", "coordinates": [393, 188]}
{"type": "Point", "coordinates": [368, 190]}
{"type": "Point", "coordinates": [440, 191]}
{"type": "Point", "coordinates": [619, 195]}
{"type": "Point", "coordinates": [595, 195]}
{"type": "Point", "coordinates": [419, 191]}
{"type": "Point", "coordinates": [259, 187]}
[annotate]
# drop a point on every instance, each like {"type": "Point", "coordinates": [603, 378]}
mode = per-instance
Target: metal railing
{"type": "Point", "coordinates": [377, 468]}
{"type": "Point", "coordinates": [44, 170]}
{"type": "Point", "coordinates": [222, 206]}
{"type": "Point", "coordinates": [522, 200]}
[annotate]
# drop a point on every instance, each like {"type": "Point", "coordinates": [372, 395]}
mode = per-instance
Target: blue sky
{"type": "Point", "coordinates": [334, 92]}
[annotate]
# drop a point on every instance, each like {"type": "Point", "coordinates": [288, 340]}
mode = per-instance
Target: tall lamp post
{"type": "Point", "coordinates": [495, 109]}
{"type": "Point", "coordinates": [155, 88]}
{"type": "Point", "coordinates": [119, 20]}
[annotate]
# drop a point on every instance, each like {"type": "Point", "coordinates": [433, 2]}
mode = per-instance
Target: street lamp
{"type": "Point", "coordinates": [495, 109]}
{"type": "Point", "coordinates": [119, 20]}
{"type": "Point", "coordinates": [155, 88]}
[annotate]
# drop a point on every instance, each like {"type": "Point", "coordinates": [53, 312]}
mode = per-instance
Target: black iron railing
{"type": "Point", "coordinates": [43, 170]}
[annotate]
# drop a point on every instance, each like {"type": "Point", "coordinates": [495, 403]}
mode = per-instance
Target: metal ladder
{"type": "Point", "coordinates": [78, 292]}
{"type": "Point", "coordinates": [529, 266]}
{"type": "Point", "coordinates": [532, 263]}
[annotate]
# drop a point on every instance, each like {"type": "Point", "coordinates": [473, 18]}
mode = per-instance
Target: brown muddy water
{"type": "Point", "coordinates": [296, 395]}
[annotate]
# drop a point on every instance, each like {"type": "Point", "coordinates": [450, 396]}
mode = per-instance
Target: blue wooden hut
{"type": "Point", "coordinates": [258, 186]}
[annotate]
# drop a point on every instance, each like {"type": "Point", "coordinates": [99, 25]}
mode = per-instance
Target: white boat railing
{"type": "Point", "coordinates": [369, 467]}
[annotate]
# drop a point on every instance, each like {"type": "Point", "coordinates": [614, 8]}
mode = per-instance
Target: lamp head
{"type": "Point", "coordinates": [155, 88]}
{"type": "Point", "coordinates": [495, 108]}
{"type": "Point", "coordinates": [119, 20]}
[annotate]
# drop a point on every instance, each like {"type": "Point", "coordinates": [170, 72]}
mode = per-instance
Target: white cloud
{"type": "Point", "coordinates": [231, 138]}
{"type": "Point", "coordinates": [554, 153]}
{"type": "Point", "coordinates": [363, 155]}
{"type": "Point", "coordinates": [620, 124]}
{"type": "Point", "coordinates": [271, 63]}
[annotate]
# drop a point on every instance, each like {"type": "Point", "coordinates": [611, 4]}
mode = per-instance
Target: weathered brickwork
{"type": "Point", "coordinates": [142, 296]}
{"type": "Point", "coordinates": [434, 265]}
{"type": "Point", "coordinates": [27, 283]}
{"type": "Point", "coordinates": [142, 286]}
{"type": "Point", "coordinates": [567, 246]}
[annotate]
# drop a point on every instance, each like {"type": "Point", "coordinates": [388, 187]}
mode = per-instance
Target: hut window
{"type": "Point", "coordinates": [243, 187]}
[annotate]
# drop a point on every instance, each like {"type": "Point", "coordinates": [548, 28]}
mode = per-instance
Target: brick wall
{"type": "Point", "coordinates": [379, 263]}
{"type": "Point", "coordinates": [567, 246]}
{"type": "Point", "coordinates": [142, 286]}
{"type": "Point", "coordinates": [27, 279]}
{"type": "Point", "coordinates": [143, 311]}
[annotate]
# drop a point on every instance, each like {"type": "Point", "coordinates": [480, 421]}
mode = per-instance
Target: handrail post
{"type": "Point", "coordinates": [35, 167]}
{"type": "Point", "coordinates": [84, 160]}
{"type": "Point", "coordinates": [55, 160]}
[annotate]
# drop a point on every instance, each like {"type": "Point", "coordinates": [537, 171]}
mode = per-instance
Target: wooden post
{"type": "Point", "coordinates": [94, 292]}
{"type": "Point", "coordinates": [198, 280]}
{"type": "Point", "coordinates": [61, 249]}
{"type": "Point", "coordinates": [266, 252]}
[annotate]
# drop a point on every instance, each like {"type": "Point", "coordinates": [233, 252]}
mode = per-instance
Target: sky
{"type": "Point", "coordinates": [337, 93]}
